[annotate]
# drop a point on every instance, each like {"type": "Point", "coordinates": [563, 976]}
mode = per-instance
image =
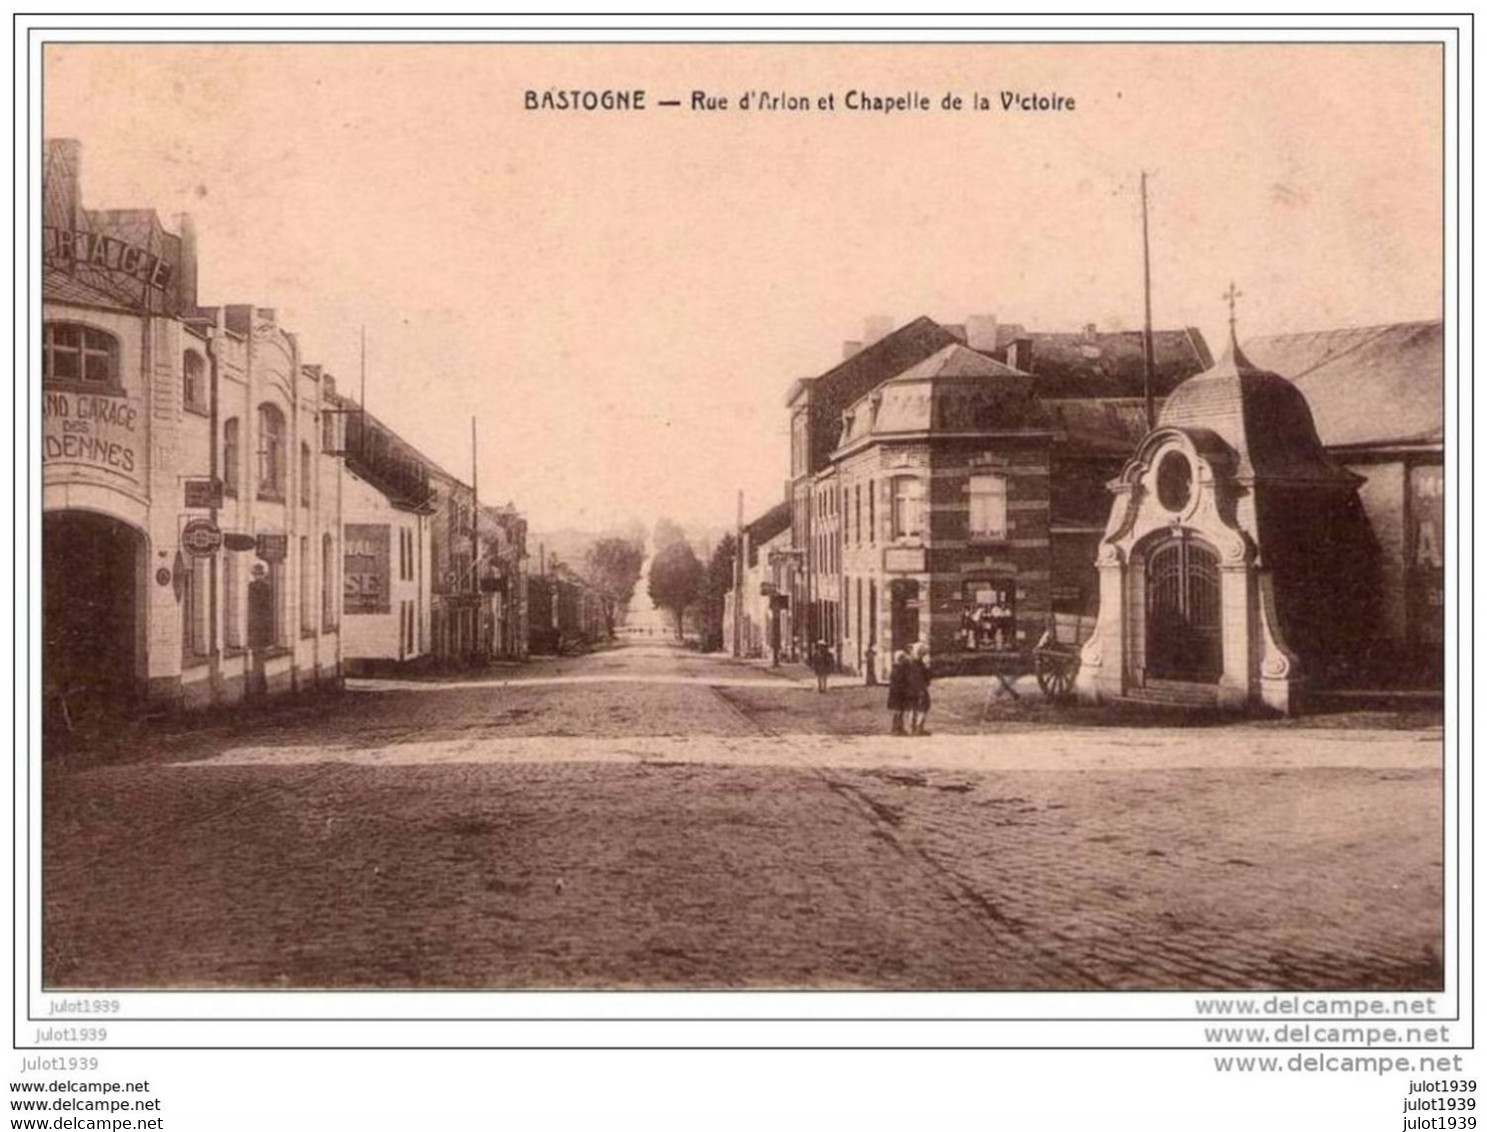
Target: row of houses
{"type": "Point", "coordinates": [972, 486]}
{"type": "Point", "coordinates": [218, 520]}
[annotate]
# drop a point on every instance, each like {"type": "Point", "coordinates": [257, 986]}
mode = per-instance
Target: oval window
{"type": "Point", "coordinates": [1174, 481]}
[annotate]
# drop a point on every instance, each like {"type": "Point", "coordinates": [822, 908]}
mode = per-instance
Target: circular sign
{"type": "Point", "coordinates": [201, 538]}
{"type": "Point", "coordinates": [162, 576]}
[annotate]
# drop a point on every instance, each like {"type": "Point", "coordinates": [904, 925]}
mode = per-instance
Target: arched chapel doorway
{"type": "Point", "coordinates": [1184, 623]}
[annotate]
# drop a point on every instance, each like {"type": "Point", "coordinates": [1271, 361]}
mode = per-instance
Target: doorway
{"type": "Point", "coordinates": [1184, 629]}
{"type": "Point", "coordinates": [91, 619]}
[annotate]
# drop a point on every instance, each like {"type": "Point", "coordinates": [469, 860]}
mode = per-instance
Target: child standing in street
{"type": "Point", "coordinates": [918, 688]}
{"type": "Point", "coordinates": [898, 690]}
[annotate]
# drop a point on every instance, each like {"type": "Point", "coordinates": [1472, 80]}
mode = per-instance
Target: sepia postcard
{"type": "Point", "coordinates": [743, 516]}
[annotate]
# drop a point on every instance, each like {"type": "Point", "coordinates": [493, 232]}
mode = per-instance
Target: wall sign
{"type": "Point", "coordinates": [368, 568]}
{"type": "Point", "coordinates": [92, 430]}
{"type": "Point", "coordinates": [903, 559]}
{"type": "Point", "coordinates": [1426, 550]}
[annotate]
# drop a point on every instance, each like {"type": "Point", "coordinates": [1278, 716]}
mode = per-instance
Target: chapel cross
{"type": "Point", "coordinates": [1231, 295]}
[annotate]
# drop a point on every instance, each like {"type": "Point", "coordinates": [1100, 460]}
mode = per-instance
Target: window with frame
{"type": "Point", "coordinates": [232, 456]}
{"type": "Point", "coordinates": [270, 452]}
{"type": "Point", "coordinates": [908, 507]}
{"type": "Point", "coordinates": [306, 602]}
{"type": "Point", "coordinates": [988, 518]}
{"type": "Point", "coordinates": [73, 352]}
{"type": "Point", "coordinates": [194, 394]}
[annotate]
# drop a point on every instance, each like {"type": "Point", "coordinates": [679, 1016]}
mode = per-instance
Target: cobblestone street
{"type": "Point", "coordinates": [649, 817]}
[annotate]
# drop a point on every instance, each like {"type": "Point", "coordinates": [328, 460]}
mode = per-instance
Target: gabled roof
{"type": "Point", "coordinates": [1099, 426]}
{"type": "Point", "coordinates": [956, 360]}
{"type": "Point", "coordinates": [769, 524]}
{"type": "Point", "coordinates": [1107, 364]}
{"type": "Point", "coordinates": [955, 389]}
{"type": "Point", "coordinates": [1375, 385]}
{"type": "Point", "coordinates": [868, 368]}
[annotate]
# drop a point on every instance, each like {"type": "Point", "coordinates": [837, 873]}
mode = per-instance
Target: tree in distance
{"type": "Point", "coordinates": [666, 534]}
{"type": "Point", "coordinates": [675, 580]}
{"type": "Point", "coordinates": [612, 566]}
{"type": "Point", "coordinates": [716, 584]}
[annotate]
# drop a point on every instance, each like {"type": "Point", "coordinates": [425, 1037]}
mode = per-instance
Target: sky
{"type": "Point", "coordinates": [621, 299]}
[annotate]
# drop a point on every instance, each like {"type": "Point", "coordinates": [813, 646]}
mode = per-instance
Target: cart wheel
{"type": "Point", "coordinates": [1056, 675]}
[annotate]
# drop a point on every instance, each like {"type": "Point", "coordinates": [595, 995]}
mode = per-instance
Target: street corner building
{"type": "Point", "coordinates": [191, 514]}
{"type": "Point", "coordinates": [1256, 552]}
{"type": "Point", "coordinates": [948, 483]}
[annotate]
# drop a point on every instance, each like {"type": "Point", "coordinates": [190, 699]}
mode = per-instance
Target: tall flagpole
{"type": "Point", "coordinates": [1151, 401]}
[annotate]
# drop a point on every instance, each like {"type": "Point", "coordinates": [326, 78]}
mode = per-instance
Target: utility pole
{"type": "Point", "coordinates": [480, 637]}
{"type": "Point", "coordinates": [738, 581]}
{"type": "Point", "coordinates": [1151, 401]}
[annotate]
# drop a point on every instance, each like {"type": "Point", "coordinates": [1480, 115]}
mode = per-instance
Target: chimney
{"type": "Point", "coordinates": [239, 318]}
{"type": "Point", "coordinates": [850, 348]}
{"type": "Point", "coordinates": [876, 326]}
{"type": "Point", "coordinates": [1020, 354]}
{"type": "Point", "coordinates": [981, 332]}
{"type": "Point", "coordinates": [1089, 332]}
{"type": "Point", "coordinates": [187, 282]}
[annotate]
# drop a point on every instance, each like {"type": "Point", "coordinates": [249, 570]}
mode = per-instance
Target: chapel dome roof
{"type": "Point", "coordinates": [1263, 417]}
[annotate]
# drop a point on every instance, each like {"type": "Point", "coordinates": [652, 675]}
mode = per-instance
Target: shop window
{"type": "Point", "coordinates": [989, 618]}
{"type": "Point", "coordinates": [232, 456]}
{"type": "Point", "coordinates": [194, 393]}
{"type": "Point", "coordinates": [908, 507]}
{"type": "Point", "coordinates": [270, 453]}
{"type": "Point", "coordinates": [72, 352]}
{"type": "Point", "coordinates": [988, 507]}
{"type": "Point", "coordinates": [304, 474]}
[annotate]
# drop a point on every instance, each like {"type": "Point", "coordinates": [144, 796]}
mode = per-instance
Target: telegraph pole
{"type": "Point", "coordinates": [738, 581]}
{"type": "Point", "coordinates": [1151, 401]}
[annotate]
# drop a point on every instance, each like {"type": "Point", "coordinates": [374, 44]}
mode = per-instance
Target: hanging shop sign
{"type": "Point", "coordinates": [234, 540]}
{"type": "Point", "coordinates": [201, 538]}
{"type": "Point", "coordinates": [273, 548]}
{"type": "Point", "coordinates": [204, 494]}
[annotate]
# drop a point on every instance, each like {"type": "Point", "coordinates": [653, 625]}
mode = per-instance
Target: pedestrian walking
{"type": "Point", "coordinates": [870, 667]}
{"type": "Point", "coordinates": [918, 688]}
{"type": "Point", "coordinates": [821, 663]}
{"type": "Point", "coordinates": [898, 690]}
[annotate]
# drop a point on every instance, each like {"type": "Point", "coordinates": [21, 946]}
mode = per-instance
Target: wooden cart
{"type": "Point", "coordinates": [1056, 655]}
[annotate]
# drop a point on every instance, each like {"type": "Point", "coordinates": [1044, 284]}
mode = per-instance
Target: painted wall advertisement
{"type": "Point", "coordinates": [92, 431]}
{"type": "Point", "coordinates": [368, 568]}
{"type": "Point", "coordinates": [1427, 555]}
